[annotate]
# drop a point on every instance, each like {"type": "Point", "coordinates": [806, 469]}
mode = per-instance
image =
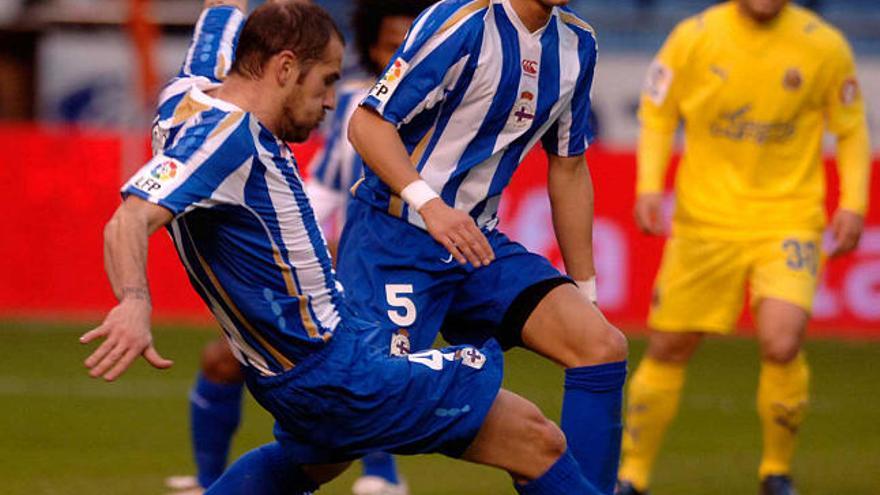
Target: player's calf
{"type": "Point", "coordinates": [516, 437]}
{"type": "Point", "coordinates": [219, 365]}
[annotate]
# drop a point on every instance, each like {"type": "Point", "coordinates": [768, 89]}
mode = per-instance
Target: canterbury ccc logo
{"type": "Point", "coordinates": [530, 67]}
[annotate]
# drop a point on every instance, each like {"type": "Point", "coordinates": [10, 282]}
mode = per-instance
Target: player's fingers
{"type": "Point", "coordinates": [850, 239]}
{"type": "Point", "coordinates": [109, 360]}
{"type": "Point", "coordinates": [99, 353]}
{"type": "Point", "coordinates": [122, 365]}
{"type": "Point", "coordinates": [93, 334]}
{"type": "Point", "coordinates": [484, 249]}
{"type": "Point", "coordinates": [451, 246]}
{"type": "Point", "coordinates": [643, 220]}
{"type": "Point", "coordinates": [152, 356]}
{"type": "Point", "coordinates": [470, 246]}
{"type": "Point", "coordinates": [466, 242]}
{"type": "Point", "coordinates": [656, 218]}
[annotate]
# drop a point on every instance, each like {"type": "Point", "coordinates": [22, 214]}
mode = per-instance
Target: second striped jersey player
{"type": "Point", "coordinates": [475, 86]}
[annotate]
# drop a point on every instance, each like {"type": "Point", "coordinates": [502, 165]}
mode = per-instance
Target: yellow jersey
{"type": "Point", "coordinates": [754, 101]}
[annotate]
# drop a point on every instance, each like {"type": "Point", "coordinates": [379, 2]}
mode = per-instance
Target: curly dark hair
{"type": "Point", "coordinates": [367, 20]}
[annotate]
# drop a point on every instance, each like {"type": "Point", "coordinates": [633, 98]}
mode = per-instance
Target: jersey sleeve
{"type": "Point", "coordinates": [844, 104]}
{"type": "Point", "coordinates": [212, 49]}
{"type": "Point", "coordinates": [658, 106]}
{"type": "Point", "coordinates": [190, 173]}
{"type": "Point", "coordinates": [428, 64]}
{"type": "Point", "coordinates": [573, 132]}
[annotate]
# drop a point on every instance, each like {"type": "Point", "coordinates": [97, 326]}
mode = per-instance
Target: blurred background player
{"type": "Point", "coordinates": [216, 399]}
{"type": "Point", "coordinates": [473, 88]}
{"type": "Point", "coordinates": [226, 185]}
{"type": "Point", "coordinates": [756, 82]}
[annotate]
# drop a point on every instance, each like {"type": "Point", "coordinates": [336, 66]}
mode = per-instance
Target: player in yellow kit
{"type": "Point", "coordinates": [755, 84]}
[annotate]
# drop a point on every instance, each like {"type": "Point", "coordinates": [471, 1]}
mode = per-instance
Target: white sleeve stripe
{"type": "Point", "coordinates": [227, 45]}
{"type": "Point", "coordinates": [449, 81]}
{"type": "Point", "coordinates": [187, 65]}
{"type": "Point", "coordinates": [186, 169]}
{"type": "Point", "coordinates": [417, 27]}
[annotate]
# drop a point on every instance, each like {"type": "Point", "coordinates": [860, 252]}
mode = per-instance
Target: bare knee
{"type": "Point", "coordinates": [673, 347]}
{"type": "Point", "coordinates": [219, 364]}
{"type": "Point", "coordinates": [610, 346]}
{"type": "Point", "coordinates": [780, 349]}
{"type": "Point", "coordinates": [546, 441]}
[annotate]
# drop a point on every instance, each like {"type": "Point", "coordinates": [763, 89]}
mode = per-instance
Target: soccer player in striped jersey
{"type": "Point", "coordinates": [227, 187]}
{"type": "Point", "coordinates": [474, 87]}
{"type": "Point", "coordinates": [755, 84]}
{"type": "Point", "coordinates": [215, 400]}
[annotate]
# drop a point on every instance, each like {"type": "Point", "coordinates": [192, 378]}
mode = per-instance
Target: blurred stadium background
{"type": "Point", "coordinates": [77, 80]}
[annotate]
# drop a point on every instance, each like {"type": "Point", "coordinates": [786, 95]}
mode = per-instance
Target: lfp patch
{"type": "Point", "coordinates": [164, 171]}
{"type": "Point", "coordinates": [384, 89]}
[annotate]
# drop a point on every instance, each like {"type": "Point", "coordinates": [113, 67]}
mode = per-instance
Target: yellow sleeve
{"type": "Point", "coordinates": [652, 157]}
{"type": "Point", "coordinates": [854, 168]}
{"type": "Point", "coordinates": [659, 108]}
{"type": "Point", "coordinates": [845, 114]}
{"type": "Point", "coordinates": [844, 105]}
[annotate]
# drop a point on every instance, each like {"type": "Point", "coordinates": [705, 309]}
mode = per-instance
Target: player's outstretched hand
{"type": "Point", "coordinates": [649, 213]}
{"type": "Point", "coordinates": [126, 334]}
{"type": "Point", "coordinates": [457, 232]}
{"type": "Point", "coordinates": [846, 227]}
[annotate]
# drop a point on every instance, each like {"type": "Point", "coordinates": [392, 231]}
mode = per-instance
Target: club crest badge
{"type": "Point", "coordinates": [400, 345]}
{"type": "Point", "coordinates": [849, 91]}
{"type": "Point", "coordinates": [524, 111]}
{"type": "Point", "coordinates": [792, 80]}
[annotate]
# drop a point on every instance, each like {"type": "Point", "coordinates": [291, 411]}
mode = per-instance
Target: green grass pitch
{"type": "Point", "coordinates": [63, 433]}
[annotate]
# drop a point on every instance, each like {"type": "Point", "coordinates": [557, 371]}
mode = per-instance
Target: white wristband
{"type": "Point", "coordinates": [588, 288]}
{"type": "Point", "coordinates": [417, 193]}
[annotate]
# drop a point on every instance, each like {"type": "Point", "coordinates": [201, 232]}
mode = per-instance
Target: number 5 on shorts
{"type": "Point", "coordinates": [395, 294]}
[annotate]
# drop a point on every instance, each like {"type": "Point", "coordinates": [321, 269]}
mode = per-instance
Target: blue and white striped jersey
{"type": "Point", "coordinates": [472, 91]}
{"type": "Point", "coordinates": [337, 167]}
{"type": "Point", "coordinates": [243, 226]}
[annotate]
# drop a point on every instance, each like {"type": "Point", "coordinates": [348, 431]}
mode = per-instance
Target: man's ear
{"type": "Point", "coordinates": [287, 68]}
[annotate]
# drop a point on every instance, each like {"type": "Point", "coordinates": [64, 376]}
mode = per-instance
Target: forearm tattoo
{"type": "Point", "coordinates": [141, 293]}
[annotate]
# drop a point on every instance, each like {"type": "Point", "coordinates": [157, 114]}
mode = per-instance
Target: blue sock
{"type": "Point", "coordinates": [215, 411]}
{"type": "Point", "coordinates": [263, 471]}
{"type": "Point", "coordinates": [591, 420]}
{"type": "Point", "coordinates": [381, 464]}
{"type": "Point", "coordinates": [563, 478]}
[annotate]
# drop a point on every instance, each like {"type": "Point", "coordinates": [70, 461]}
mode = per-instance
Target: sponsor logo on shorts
{"type": "Point", "coordinates": [400, 345]}
{"type": "Point", "coordinates": [471, 357]}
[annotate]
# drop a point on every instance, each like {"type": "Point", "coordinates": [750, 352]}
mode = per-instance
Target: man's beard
{"type": "Point", "coordinates": [295, 134]}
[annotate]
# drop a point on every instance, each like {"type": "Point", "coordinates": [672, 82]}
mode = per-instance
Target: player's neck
{"type": "Point", "coordinates": [756, 18]}
{"type": "Point", "coordinates": [250, 96]}
{"type": "Point", "coordinates": [533, 14]}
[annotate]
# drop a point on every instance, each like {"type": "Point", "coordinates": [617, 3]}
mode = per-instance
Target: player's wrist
{"type": "Point", "coordinates": [140, 295]}
{"type": "Point", "coordinates": [417, 194]}
{"type": "Point", "coordinates": [588, 288]}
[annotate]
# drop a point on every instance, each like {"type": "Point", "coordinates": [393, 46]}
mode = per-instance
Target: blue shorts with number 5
{"type": "Point", "coordinates": [398, 277]}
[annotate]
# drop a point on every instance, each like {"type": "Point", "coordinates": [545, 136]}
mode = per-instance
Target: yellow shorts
{"type": "Point", "coordinates": [701, 284]}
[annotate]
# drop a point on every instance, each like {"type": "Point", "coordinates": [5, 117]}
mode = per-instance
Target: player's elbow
{"type": "Point", "coordinates": [356, 127]}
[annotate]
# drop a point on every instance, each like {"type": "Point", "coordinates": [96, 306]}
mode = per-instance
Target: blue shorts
{"type": "Point", "coordinates": [397, 277]}
{"type": "Point", "coordinates": [352, 398]}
